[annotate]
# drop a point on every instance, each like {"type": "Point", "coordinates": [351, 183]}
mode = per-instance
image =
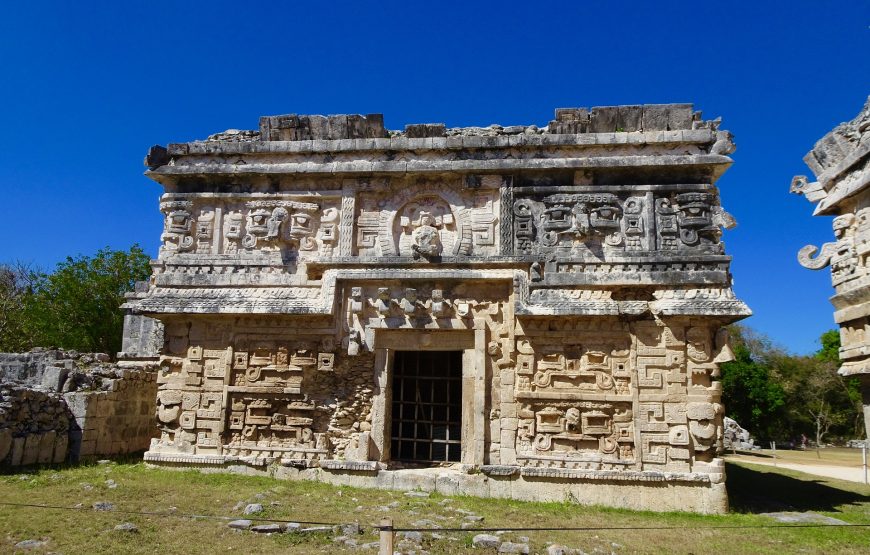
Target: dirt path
{"type": "Point", "coordinates": [852, 474]}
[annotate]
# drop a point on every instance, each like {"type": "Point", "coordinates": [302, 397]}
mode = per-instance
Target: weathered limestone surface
{"type": "Point", "coordinates": [577, 268]}
{"type": "Point", "coordinates": [61, 405]}
{"type": "Point", "coordinates": [841, 163]}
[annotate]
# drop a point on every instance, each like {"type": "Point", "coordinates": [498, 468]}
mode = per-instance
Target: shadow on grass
{"type": "Point", "coordinates": [761, 491]}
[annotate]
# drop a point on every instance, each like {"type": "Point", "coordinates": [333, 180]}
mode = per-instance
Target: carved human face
{"type": "Point", "coordinates": [842, 224]}
{"type": "Point", "coordinates": [698, 344]}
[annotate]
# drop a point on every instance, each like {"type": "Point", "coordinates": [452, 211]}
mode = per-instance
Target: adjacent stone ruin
{"type": "Point", "coordinates": [841, 163]}
{"type": "Point", "coordinates": [58, 406]}
{"type": "Point", "coordinates": [522, 312]}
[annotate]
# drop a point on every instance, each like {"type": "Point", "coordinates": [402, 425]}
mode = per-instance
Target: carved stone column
{"type": "Point", "coordinates": [841, 163]}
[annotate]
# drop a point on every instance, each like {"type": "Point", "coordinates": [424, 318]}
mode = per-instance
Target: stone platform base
{"type": "Point", "coordinates": [642, 491]}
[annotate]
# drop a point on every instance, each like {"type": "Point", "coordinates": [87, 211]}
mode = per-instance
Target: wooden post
{"type": "Point", "coordinates": [386, 536]}
{"type": "Point", "coordinates": [773, 446]}
{"type": "Point", "coordinates": [864, 458]}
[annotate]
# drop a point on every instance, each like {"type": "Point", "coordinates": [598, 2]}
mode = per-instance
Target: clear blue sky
{"type": "Point", "coordinates": [86, 88]}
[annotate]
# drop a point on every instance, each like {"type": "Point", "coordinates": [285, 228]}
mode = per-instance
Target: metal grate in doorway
{"type": "Point", "coordinates": [427, 406]}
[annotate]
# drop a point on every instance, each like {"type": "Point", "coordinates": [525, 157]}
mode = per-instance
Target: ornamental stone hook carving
{"type": "Point", "coordinates": [805, 256]}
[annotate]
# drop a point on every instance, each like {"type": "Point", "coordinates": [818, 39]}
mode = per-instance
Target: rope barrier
{"type": "Point", "coordinates": [466, 530]}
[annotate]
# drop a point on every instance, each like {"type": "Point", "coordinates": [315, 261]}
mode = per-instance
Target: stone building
{"type": "Point", "coordinates": [841, 163]}
{"type": "Point", "coordinates": [523, 312]}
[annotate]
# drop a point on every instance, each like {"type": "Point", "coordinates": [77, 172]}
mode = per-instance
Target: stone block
{"type": "Point", "coordinates": [31, 449]}
{"type": "Point", "coordinates": [5, 443]}
{"type": "Point", "coordinates": [423, 130]}
{"type": "Point", "coordinates": [46, 447]}
{"type": "Point", "coordinates": [507, 376]}
{"type": "Point", "coordinates": [53, 377]}
{"type": "Point", "coordinates": [61, 445]}
{"type": "Point", "coordinates": [88, 448]}
{"type": "Point", "coordinates": [655, 117]}
{"type": "Point", "coordinates": [17, 451]}
{"type": "Point", "coordinates": [629, 118]}
{"type": "Point", "coordinates": [508, 437]}
{"type": "Point", "coordinates": [604, 119]}
{"type": "Point", "coordinates": [680, 116]}
{"type": "Point", "coordinates": [508, 410]}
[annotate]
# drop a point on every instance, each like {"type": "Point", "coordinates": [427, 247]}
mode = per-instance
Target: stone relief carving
{"type": "Point", "coordinates": [428, 222]}
{"type": "Point", "coordinates": [587, 303]}
{"type": "Point", "coordinates": [842, 255]}
{"type": "Point", "coordinates": [291, 227]}
{"type": "Point", "coordinates": [176, 236]}
{"type": "Point", "coordinates": [606, 222]}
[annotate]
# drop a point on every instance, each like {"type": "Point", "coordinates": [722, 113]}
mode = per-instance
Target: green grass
{"type": "Point", "coordinates": [752, 489]}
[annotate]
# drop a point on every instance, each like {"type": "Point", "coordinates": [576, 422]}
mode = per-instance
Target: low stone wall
{"type": "Point", "coordinates": [62, 405]}
{"type": "Point", "coordinates": [34, 426]}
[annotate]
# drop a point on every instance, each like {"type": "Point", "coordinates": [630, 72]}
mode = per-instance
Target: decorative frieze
{"type": "Point", "coordinates": [574, 273]}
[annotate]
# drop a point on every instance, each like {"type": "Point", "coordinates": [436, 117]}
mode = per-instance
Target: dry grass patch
{"type": "Point", "coordinates": [829, 456]}
{"type": "Point", "coordinates": [175, 495]}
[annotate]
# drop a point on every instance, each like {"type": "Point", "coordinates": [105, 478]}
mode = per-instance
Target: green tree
{"type": "Point", "coordinates": [751, 394]}
{"type": "Point", "coordinates": [780, 396]}
{"type": "Point", "coordinates": [78, 305]}
{"type": "Point", "coordinates": [16, 284]}
{"type": "Point", "coordinates": [844, 393]}
{"type": "Point", "coordinates": [830, 349]}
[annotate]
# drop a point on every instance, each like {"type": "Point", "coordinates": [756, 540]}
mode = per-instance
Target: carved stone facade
{"type": "Point", "coordinates": [841, 164]}
{"type": "Point", "coordinates": [575, 270]}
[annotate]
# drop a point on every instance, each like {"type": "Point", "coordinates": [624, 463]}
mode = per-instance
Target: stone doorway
{"type": "Point", "coordinates": [427, 406]}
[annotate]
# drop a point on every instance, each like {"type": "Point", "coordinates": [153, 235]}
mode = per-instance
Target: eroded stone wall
{"type": "Point", "coordinates": [841, 162]}
{"type": "Point", "coordinates": [62, 405]}
{"type": "Point", "coordinates": [578, 268]}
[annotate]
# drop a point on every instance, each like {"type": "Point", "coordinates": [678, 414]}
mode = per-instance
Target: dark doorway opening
{"type": "Point", "coordinates": [427, 406]}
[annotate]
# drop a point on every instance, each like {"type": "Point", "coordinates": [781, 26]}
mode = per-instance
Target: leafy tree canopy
{"type": "Point", "coordinates": [77, 306]}
{"type": "Point", "coordinates": [780, 396]}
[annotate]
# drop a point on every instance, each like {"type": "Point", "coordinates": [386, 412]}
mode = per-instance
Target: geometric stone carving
{"type": "Point", "coordinates": [840, 161]}
{"type": "Point", "coordinates": [577, 267]}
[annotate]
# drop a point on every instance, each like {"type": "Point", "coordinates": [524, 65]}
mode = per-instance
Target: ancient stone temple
{"type": "Point", "coordinates": [523, 312]}
{"type": "Point", "coordinates": [841, 163]}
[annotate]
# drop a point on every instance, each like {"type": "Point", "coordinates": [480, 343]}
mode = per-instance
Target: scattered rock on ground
{"type": "Point", "coordinates": [253, 508]}
{"type": "Point", "coordinates": [266, 528]}
{"type": "Point", "coordinates": [111, 484]}
{"type": "Point", "coordinates": [352, 529]}
{"type": "Point", "coordinates": [292, 526]}
{"type": "Point", "coordinates": [803, 518]}
{"type": "Point", "coordinates": [126, 527]}
{"type": "Point", "coordinates": [406, 546]}
{"type": "Point", "coordinates": [416, 494]}
{"type": "Point", "coordinates": [315, 529]}
{"type": "Point", "coordinates": [104, 506]}
{"type": "Point", "coordinates": [240, 524]}
{"type": "Point", "coordinates": [414, 536]}
{"type": "Point", "coordinates": [30, 544]}
{"type": "Point", "coordinates": [473, 518]}
{"type": "Point", "coordinates": [485, 540]}
{"type": "Point", "coordinates": [511, 547]}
